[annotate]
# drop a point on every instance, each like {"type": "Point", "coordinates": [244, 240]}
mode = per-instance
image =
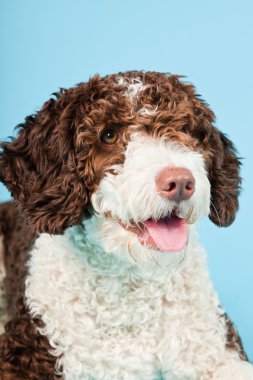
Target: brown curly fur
{"type": "Point", "coordinates": [24, 354]}
{"type": "Point", "coordinates": [56, 162]}
{"type": "Point", "coordinates": [18, 240]}
{"type": "Point", "coordinates": [3, 311]}
{"type": "Point", "coordinates": [57, 159]}
{"type": "Point", "coordinates": [233, 340]}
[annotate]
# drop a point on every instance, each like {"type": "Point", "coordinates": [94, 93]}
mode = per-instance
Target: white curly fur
{"type": "Point", "coordinates": [133, 86]}
{"type": "Point", "coordinates": [115, 310]}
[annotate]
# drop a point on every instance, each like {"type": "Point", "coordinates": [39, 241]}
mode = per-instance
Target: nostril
{"type": "Point", "coordinates": [189, 186]}
{"type": "Point", "coordinates": [171, 186]}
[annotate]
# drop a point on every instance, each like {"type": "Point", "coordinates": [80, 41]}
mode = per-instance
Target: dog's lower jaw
{"type": "Point", "coordinates": [113, 239]}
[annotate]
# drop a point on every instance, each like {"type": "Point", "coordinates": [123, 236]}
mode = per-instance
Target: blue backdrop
{"type": "Point", "coordinates": [50, 44]}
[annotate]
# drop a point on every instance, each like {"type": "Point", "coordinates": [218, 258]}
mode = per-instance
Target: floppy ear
{"type": "Point", "coordinates": [38, 167]}
{"type": "Point", "coordinates": [224, 178]}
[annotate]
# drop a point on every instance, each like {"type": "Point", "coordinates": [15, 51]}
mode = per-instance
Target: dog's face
{"type": "Point", "coordinates": [138, 151]}
{"type": "Point", "coordinates": [144, 206]}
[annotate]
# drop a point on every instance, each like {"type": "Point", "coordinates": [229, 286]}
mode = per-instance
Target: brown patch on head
{"type": "Point", "coordinates": [107, 109]}
{"type": "Point", "coordinates": [58, 158]}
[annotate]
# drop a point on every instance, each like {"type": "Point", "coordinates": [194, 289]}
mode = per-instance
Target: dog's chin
{"type": "Point", "coordinates": [154, 243]}
{"type": "Point", "coordinates": [148, 256]}
{"type": "Point", "coordinates": [168, 234]}
{"type": "Point", "coordinates": [157, 242]}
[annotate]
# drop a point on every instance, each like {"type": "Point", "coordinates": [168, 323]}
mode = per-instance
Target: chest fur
{"type": "Point", "coordinates": [106, 320]}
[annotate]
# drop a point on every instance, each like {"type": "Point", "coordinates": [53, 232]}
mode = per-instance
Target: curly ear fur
{"type": "Point", "coordinates": [224, 178]}
{"type": "Point", "coordinates": [38, 167]}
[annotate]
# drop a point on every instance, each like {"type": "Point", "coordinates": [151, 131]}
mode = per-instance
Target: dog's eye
{"type": "Point", "coordinates": [109, 136]}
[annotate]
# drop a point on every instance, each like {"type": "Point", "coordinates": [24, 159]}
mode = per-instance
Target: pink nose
{"type": "Point", "coordinates": [176, 184]}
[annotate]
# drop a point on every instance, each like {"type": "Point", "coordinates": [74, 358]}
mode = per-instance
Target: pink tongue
{"type": "Point", "coordinates": [169, 234]}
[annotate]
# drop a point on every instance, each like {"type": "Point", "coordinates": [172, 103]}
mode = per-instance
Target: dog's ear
{"type": "Point", "coordinates": [38, 167]}
{"type": "Point", "coordinates": [224, 178]}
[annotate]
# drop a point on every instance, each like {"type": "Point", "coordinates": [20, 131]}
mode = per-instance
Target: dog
{"type": "Point", "coordinates": [104, 275]}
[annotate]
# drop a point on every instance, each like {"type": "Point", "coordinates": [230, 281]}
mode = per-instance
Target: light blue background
{"type": "Point", "coordinates": [49, 44]}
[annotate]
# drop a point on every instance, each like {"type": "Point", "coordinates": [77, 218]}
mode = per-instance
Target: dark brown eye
{"type": "Point", "coordinates": [109, 136]}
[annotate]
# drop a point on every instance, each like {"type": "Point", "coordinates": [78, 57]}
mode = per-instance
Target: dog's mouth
{"type": "Point", "coordinates": [169, 234]}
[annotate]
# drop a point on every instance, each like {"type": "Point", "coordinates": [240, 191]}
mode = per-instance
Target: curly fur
{"type": "Point", "coordinates": [65, 304]}
{"type": "Point", "coordinates": [3, 314]}
{"type": "Point", "coordinates": [23, 353]}
{"type": "Point", "coordinates": [56, 161]}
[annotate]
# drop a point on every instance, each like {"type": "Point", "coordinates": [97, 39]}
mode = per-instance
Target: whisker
{"type": "Point", "coordinates": [212, 204]}
{"type": "Point", "coordinates": [150, 256]}
{"type": "Point", "coordinates": [155, 261]}
{"type": "Point", "coordinates": [130, 253]}
{"type": "Point", "coordinates": [188, 216]}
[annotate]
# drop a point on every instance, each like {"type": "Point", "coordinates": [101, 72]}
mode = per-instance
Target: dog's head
{"type": "Point", "coordinates": [137, 149]}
